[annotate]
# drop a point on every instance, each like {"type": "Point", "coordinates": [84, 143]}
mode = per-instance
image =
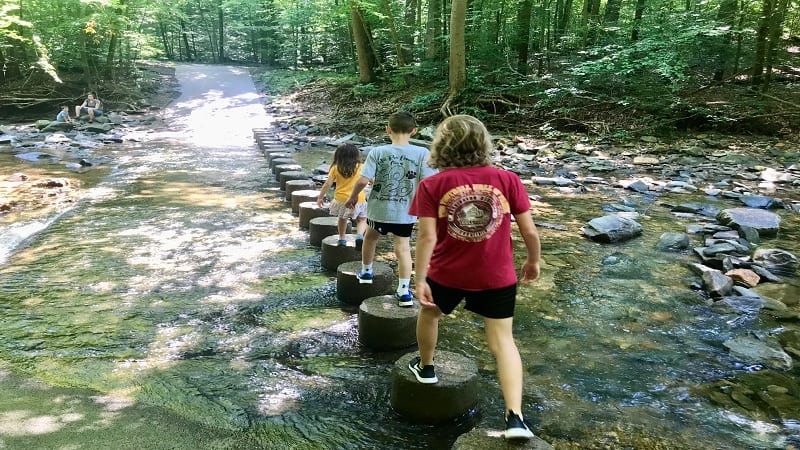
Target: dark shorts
{"type": "Point", "coordinates": [397, 229]}
{"type": "Point", "coordinates": [490, 303]}
{"type": "Point", "coordinates": [97, 112]}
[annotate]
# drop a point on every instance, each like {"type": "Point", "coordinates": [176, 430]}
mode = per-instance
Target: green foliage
{"type": "Point", "coordinates": [287, 81]}
{"type": "Point", "coordinates": [366, 90]}
{"type": "Point", "coordinates": [424, 101]}
{"type": "Point", "coordinates": [674, 55]}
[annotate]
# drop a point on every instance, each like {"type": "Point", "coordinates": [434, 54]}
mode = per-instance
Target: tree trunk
{"type": "Point", "coordinates": [112, 48]}
{"type": "Point", "coordinates": [637, 20]}
{"type": "Point", "coordinates": [591, 11]}
{"type": "Point", "coordinates": [523, 35]}
{"type": "Point", "coordinates": [762, 35]}
{"type": "Point", "coordinates": [221, 32]}
{"type": "Point", "coordinates": [775, 23]}
{"type": "Point", "coordinates": [363, 48]}
{"type": "Point", "coordinates": [410, 28]}
{"type": "Point", "coordinates": [169, 51]}
{"type": "Point", "coordinates": [433, 29]}
{"type": "Point", "coordinates": [458, 65]}
{"type": "Point", "coordinates": [564, 15]}
{"type": "Point", "coordinates": [396, 42]}
{"type": "Point", "coordinates": [611, 13]}
{"type": "Point", "coordinates": [727, 15]}
{"type": "Point", "coordinates": [185, 38]}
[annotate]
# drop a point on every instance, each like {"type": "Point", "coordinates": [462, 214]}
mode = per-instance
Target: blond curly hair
{"type": "Point", "coordinates": [461, 141]}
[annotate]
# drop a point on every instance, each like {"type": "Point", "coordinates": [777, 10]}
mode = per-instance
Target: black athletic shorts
{"type": "Point", "coordinates": [491, 303]}
{"type": "Point", "coordinates": [397, 229]}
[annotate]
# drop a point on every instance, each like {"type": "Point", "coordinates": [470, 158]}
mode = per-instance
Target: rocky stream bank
{"type": "Point", "coordinates": [737, 193]}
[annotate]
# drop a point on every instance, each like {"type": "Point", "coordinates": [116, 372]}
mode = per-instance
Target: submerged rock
{"type": "Point", "coordinates": [612, 228]}
{"type": "Point", "coordinates": [765, 222]}
{"type": "Point", "coordinates": [776, 260]}
{"type": "Point", "coordinates": [671, 241]}
{"type": "Point", "coordinates": [752, 350]}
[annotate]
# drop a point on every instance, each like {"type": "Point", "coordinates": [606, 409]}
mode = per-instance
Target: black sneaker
{"type": "Point", "coordinates": [425, 375]}
{"type": "Point", "coordinates": [517, 428]}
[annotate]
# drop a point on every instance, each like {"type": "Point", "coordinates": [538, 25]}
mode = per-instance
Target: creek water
{"type": "Point", "coordinates": [178, 305]}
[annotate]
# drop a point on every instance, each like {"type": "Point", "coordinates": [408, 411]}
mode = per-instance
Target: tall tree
{"type": "Point", "coordinates": [361, 37]}
{"type": "Point", "coordinates": [395, 35]}
{"type": "Point", "coordinates": [433, 30]}
{"type": "Point", "coordinates": [458, 63]}
{"type": "Point", "coordinates": [220, 32]}
{"type": "Point", "coordinates": [637, 20]}
{"type": "Point", "coordinates": [725, 15]}
{"type": "Point", "coordinates": [523, 34]}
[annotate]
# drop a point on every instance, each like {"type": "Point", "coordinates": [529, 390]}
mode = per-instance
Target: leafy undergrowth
{"type": "Point", "coordinates": [539, 106]}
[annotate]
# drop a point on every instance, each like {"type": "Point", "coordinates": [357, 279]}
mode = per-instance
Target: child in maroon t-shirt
{"type": "Point", "coordinates": [464, 252]}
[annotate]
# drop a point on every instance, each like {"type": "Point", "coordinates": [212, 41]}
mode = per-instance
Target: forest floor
{"type": "Point", "coordinates": [732, 108]}
{"type": "Point", "coordinates": [334, 110]}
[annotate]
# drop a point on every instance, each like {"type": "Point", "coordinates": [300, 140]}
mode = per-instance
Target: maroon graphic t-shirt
{"type": "Point", "coordinates": [473, 208]}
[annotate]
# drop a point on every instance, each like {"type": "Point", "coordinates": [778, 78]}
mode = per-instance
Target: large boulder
{"type": "Point", "coordinates": [58, 126]}
{"type": "Point", "coordinates": [776, 260]}
{"type": "Point", "coordinates": [612, 228]}
{"type": "Point", "coordinates": [765, 222]}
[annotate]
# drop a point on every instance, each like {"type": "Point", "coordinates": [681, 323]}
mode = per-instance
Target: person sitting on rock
{"type": "Point", "coordinates": [63, 115]}
{"type": "Point", "coordinates": [91, 106]}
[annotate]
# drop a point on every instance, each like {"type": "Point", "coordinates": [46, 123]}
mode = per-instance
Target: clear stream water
{"type": "Point", "coordinates": [177, 305]}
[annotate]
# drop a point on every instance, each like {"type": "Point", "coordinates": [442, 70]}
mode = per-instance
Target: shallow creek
{"type": "Point", "coordinates": [179, 294]}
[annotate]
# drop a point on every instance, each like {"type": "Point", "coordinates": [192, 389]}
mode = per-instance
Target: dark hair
{"type": "Point", "coordinates": [346, 158]}
{"type": "Point", "coordinates": [402, 122]}
{"type": "Point", "coordinates": [461, 141]}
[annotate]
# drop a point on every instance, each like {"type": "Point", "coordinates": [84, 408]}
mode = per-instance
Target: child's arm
{"type": "Point", "coordinates": [323, 191]}
{"type": "Point", "coordinates": [530, 268]}
{"type": "Point", "coordinates": [357, 188]}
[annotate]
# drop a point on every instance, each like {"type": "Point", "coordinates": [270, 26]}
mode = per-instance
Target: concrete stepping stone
{"type": "Point", "coordinates": [280, 161]}
{"type": "Point", "coordinates": [277, 154]}
{"type": "Point", "coordinates": [350, 291]}
{"type": "Point", "coordinates": [382, 325]}
{"type": "Point", "coordinates": [484, 439]}
{"type": "Point", "coordinates": [302, 196]}
{"type": "Point", "coordinates": [333, 255]}
{"type": "Point", "coordinates": [310, 210]}
{"type": "Point", "coordinates": [279, 169]}
{"type": "Point", "coordinates": [291, 185]}
{"type": "Point", "coordinates": [453, 396]}
{"type": "Point", "coordinates": [321, 227]}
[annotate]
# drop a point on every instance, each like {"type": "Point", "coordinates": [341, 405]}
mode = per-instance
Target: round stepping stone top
{"type": "Point", "coordinates": [333, 255]}
{"type": "Point", "coordinates": [321, 227]}
{"type": "Point", "coordinates": [280, 168]}
{"type": "Point", "coordinates": [310, 210]}
{"type": "Point", "coordinates": [351, 292]}
{"type": "Point", "coordinates": [293, 185]}
{"type": "Point", "coordinates": [485, 439]}
{"type": "Point", "coordinates": [302, 196]}
{"type": "Point", "coordinates": [382, 325]}
{"type": "Point", "coordinates": [454, 395]}
{"type": "Point", "coordinates": [290, 175]}
{"type": "Point", "coordinates": [274, 154]}
{"type": "Point", "coordinates": [280, 162]}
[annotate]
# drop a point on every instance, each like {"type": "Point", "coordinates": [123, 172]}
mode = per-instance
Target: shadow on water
{"type": "Point", "coordinates": [182, 282]}
{"type": "Point", "coordinates": [179, 298]}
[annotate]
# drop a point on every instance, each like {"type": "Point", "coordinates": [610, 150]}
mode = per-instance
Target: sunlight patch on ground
{"type": "Point", "coordinates": [23, 423]}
